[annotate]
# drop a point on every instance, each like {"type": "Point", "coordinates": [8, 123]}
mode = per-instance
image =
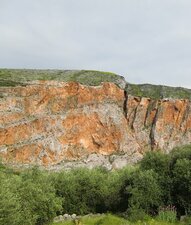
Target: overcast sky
{"type": "Point", "coordinates": [146, 41]}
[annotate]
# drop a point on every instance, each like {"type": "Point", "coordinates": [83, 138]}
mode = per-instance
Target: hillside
{"type": "Point", "coordinates": [158, 91]}
{"type": "Point", "coordinates": [16, 77]}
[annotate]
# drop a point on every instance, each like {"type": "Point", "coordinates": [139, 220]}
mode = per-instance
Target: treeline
{"type": "Point", "coordinates": [158, 182]}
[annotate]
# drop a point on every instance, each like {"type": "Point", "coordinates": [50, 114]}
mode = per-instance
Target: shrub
{"type": "Point", "coordinates": [160, 164]}
{"type": "Point", "coordinates": [82, 190]}
{"type": "Point", "coordinates": [182, 186]}
{"type": "Point", "coordinates": [156, 161]}
{"type": "Point", "coordinates": [10, 208]}
{"type": "Point", "coordinates": [144, 192]}
{"type": "Point", "coordinates": [183, 152]}
{"type": "Point", "coordinates": [116, 199]}
{"type": "Point", "coordinates": [27, 198]}
{"type": "Point", "coordinates": [38, 200]}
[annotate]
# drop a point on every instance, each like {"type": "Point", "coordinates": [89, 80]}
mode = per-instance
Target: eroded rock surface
{"type": "Point", "coordinates": [58, 124]}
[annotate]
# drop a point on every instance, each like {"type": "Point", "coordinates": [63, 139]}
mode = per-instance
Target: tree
{"type": "Point", "coordinates": [82, 190]}
{"type": "Point", "coordinates": [160, 164]}
{"type": "Point", "coordinates": [144, 192]}
{"type": "Point", "coordinates": [37, 198]}
{"type": "Point", "coordinates": [182, 185]}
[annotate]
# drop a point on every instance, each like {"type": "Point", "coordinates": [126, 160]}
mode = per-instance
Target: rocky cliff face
{"type": "Point", "coordinates": [64, 124]}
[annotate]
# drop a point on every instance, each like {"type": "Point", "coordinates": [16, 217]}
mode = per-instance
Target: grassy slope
{"type": "Point", "coordinates": [10, 77]}
{"type": "Point", "coordinates": [158, 91]}
{"type": "Point", "coordinates": [15, 77]}
{"type": "Point", "coordinates": [113, 220]}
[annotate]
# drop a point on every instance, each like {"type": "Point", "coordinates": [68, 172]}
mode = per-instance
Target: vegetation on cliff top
{"type": "Point", "coordinates": [15, 77]}
{"type": "Point", "coordinates": [158, 91]}
{"type": "Point", "coordinates": [19, 77]}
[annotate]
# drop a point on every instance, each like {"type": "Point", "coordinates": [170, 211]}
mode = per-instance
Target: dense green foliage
{"type": "Point", "coordinates": [159, 185]}
{"type": "Point", "coordinates": [27, 198]}
{"type": "Point", "coordinates": [174, 172]}
{"type": "Point", "coordinates": [82, 191]}
{"type": "Point", "coordinates": [144, 194]}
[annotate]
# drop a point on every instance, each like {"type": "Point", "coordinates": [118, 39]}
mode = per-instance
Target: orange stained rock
{"type": "Point", "coordinates": [46, 122]}
{"type": "Point", "coordinates": [88, 132]}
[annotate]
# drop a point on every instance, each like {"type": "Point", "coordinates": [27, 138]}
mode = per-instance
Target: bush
{"type": "Point", "coordinates": [86, 191]}
{"type": "Point", "coordinates": [82, 190]}
{"type": "Point", "coordinates": [38, 200]}
{"type": "Point", "coordinates": [144, 192]}
{"type": "Point", "coordinates": [10, 207]}
{"type": "Point", "coordinates": [183, 152]}
{"type": "Point", "coordinates": [116, 198]}
{"type": "Point", "coordinates": [160, 164]}
{"type": "Point", "coordinates": [182, 186]}
{"type": "Point", "coordinates": [174, 177]}
{"type": "Point", "coordinates": [156, 161]}
{"type": "Point", "coordinates": [28, 198]}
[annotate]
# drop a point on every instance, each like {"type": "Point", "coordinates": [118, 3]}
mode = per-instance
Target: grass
{"type": "Point", "coordinates": [14, 77]}
{"type": "Point", "coordinates": [167, 214]}
{"type": "Point", "coordinates": [114, 220]}
{"type": "Point", "coordinates": [158, 91]}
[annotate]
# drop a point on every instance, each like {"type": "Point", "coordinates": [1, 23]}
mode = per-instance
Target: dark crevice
{"type": "Point", "coordinates": [147, 114]}
{"type": "Point", "coordinates": [125, 109]}
{"type": "Point", "coordinates": [135, 113]}
{"type": "Point", "coordinates": [153, 126]}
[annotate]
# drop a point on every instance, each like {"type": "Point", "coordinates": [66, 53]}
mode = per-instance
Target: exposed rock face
{"type": "Point", "coordinates": [58, 124]}
{"type": "Point", "coordinates": [162, 124]}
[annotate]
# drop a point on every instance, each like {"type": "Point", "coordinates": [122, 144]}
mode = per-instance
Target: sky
{"type": "Point", "coordinates": [146, 41]}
